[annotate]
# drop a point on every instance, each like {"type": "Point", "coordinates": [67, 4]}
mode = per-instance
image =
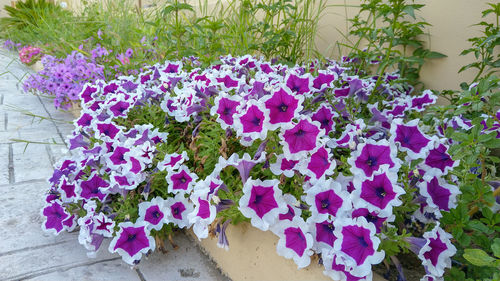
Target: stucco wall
{"type": "Point", "coordinates": [452, 23]}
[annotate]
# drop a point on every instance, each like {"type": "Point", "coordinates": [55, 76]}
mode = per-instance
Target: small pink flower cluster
{"type": "Point", "coordinates": [29, 54]}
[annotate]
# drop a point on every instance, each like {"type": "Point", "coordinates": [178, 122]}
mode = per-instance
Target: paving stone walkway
{"type": "Point", "coordinates": [26, 252]}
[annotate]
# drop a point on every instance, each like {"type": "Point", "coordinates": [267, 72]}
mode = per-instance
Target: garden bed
{"type": "Point", "coordinates": [252, 256]}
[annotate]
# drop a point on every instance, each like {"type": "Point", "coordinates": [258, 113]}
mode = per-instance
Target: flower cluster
{"type": "Point", "coordinates": [30, 55]}
{"type": "Point", "coordinates": [310, 153]}
{"type": "Point", "coordinates": [64, 78]}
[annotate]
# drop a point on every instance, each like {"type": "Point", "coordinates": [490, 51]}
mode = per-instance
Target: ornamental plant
{"type": "Point", "coordinates": [307, 152]}
{"type": "Point", "coordinates": [63, 78]}
{"type": "Point", "coordinates": [29, 55]}
{"type": "Point", "coordinates": [472, 122]}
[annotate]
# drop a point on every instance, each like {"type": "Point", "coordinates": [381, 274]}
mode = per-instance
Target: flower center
{"type": "Point", "coordinates": [156, 214]}
{"type": "Point", "coordinates": [325, 204]}
{"type": "Point", "coordinates": [362, 241]}
{"type": "Point", "coordinates": [406, 139]}
{"type": "Point", "coordinates": [226, 111]}
{"type": "Point", "coordinates": [131, 237]}
{"type": "Point", "coordinates": [258, 198]}
{"type": "Point", "coordinates": [371, 218]}
{"type": "Point", "coordinates": [256, 121]}
{"type": "Point", "coordinates": [175, 211]}
{"type": "Point", "coordinates": [283, 107]}
{"type": "Point", "coordinates": [372, 161]}
{"type": "Point", "coordinates": [380, 192]}
{"type": "Point", "coordinates": [300, 133]}
{"type": "Point", "coordinates": [444, 157]}
{"type": "Point", "coordinates": [183, 180]}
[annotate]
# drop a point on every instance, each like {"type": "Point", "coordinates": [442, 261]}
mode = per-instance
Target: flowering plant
{"type": "Point", "coordinates": [331, 164]}
{"type": "Point", "coordinates": [30, 55]}
{"type": "Point", "coordinates": [64, 78]}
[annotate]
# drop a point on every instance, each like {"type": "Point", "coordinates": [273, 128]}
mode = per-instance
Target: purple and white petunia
{"type": "Point", "coordinates": [300, 138]}
{"type": "Point", "coordinates": [295, 241]}
{"type": "Point", "coordinates": [284, 166]}
{"type": "Point", "coordinates": [131, 241]}
{"type": "Point", "coordinates": [335, 269]}
{"type": "Point", "coordinates": [283, 106]}
{"type": "Point", "coordinates": [173, 161]}
{"type": "Point", "coordinates": [439, 161]}
{"type": "Point", "coordinates": [54, 215]}
{"type": "Point", "coordinates": [177, 209]}
{"type": "Point", "coordinates": [327, 200]}
{"type": "Point", "coordinates": [374, 156]}
{"type": "Point", "coordinates": [252, 122]}
{"type": "Point", "coordinates": [262, 202]}
{"type": "Point", "coordinates": [437, 251]}
{"type": "Point", "coordinates": [226, 107]}
{"type": "Point", "coordinates": [356, 245]}
{"type": "Point", "coordinates": [438, 193]}
{"type": "Point", "coordinates": [410, 138]}
{"type": "Point", "coordinates": [181, 181]}
{"type": "Point", "coordinates": [202, 215]}
{"type": "Point", "coordinates": [378, 193]}
{"type": "Point", "coordinates": [153, 213]}
{"type": "Point", "coordinates": [319, 165]}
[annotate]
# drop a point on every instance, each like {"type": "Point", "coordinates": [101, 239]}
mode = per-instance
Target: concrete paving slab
{"type": "Point", "coordinates": [31, 162]}
{"type": "Point", "coordinates": [102, 271]}
{"type": "Point", "coordinates": [28, 253]}
{"type": "Point", "coordinates": [4, 164]}
{"type": "Point", "coordinates": [185, 263]}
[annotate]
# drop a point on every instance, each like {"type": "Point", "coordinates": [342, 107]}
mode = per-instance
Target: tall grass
{"type": "Point", "coordinates": [280, 29]}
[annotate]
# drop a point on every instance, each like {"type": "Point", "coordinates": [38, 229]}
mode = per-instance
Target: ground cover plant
{"type": "Point", "coordinates": [338, 160]}
{"type": "Point", "coordinates": [472, 121]}
{"type": "Point", "coordinates": [309, 154]}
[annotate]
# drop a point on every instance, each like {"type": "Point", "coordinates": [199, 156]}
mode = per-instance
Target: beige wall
{"type": "Point", "coordinates": [452, 24]}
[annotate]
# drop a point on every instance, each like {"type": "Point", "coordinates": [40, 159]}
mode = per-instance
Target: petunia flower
{"type": "Point", "coordinates": [319, 164]}
{"type": "Point", "coordinates": [301, 85]}
{"type": "Point", "coordinates": [373, 156]}
{"type": "Point", "coordinates": [227, 83]}
{"type": "Point", "coordinates": [153, 213]}
{"type": "Point", "coordinates": [244, 165]}
{"type": "Point", "coordinates": [377, 194]}
{"type": "Point", "coordinates": [225, 107]}
{"type": "Point", "coordinates": [410, 138]}
{"type": "Point", "coordinates": [284, 166]}
{"type": "Point", "coordinates": [336, 270]}
{"type": "Point", "coordinates": [131, 241]}
{"type": "Point", "coordinates": [253, 121]}
{"type": "Point", "coordinates": [437, 251]}
{"type": "Point", "coordinates": [357, 245]}
{"type": "Point", "coordinates": [421, 102]}
{"type": "Point", "coordinates": [172, 161]}
{"type": "Point", "coordinates": [103, 225]}
{"type": "Point", "coordinates": [283, 106]}
{"type": "Point", "coordinates": [202, 215]}
{"type": "Point", "coordinates": [324, 80]}
{"type": "Point", "coordinates": [262, 202]}
{"type": "Point", "coordinates": [54, 215]}
{"type": "Point", "coordinates": [91, 188]}
{"type": "Point", "coordinates": [177, 210]}
{"type": "Point", "coordinates": [324, 115]}
{"type": "Point", "coordinates": [438, 193]}
{"type": "Point", "coordinates": [372, 217]}
{"type": "Point", "coordinates": [327, 200]}
{"type": "Point", "coordinates": [300, 138]}
{"type": "Point", "coordinates": [181, 181]}
{"type": "Point", "coordinates": [439, 160]}
{"type": "Point", "coordinates": [295, 242]}
{"type": "Point", "coordinates": [323, 236]}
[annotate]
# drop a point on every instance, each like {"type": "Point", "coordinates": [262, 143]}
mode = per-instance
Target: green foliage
{"type": "Point", "coordinates": [28, 13]}
{"type": "Point", "coordinates": [473, 223]}
{"type": "Point", "coordinates": [483, 47]}
{"type": "Point", "coordinates": [389, 33]}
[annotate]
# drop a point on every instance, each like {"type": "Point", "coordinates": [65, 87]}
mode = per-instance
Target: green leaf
{"type": "Point", "coordinates": [435, 55]}
{"type": "Point", "coordinates": [494, 143]}
{"type": "Point", "coordinates": [478, 257]}
{"type": "Point", "coordinates": [495, 247]}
